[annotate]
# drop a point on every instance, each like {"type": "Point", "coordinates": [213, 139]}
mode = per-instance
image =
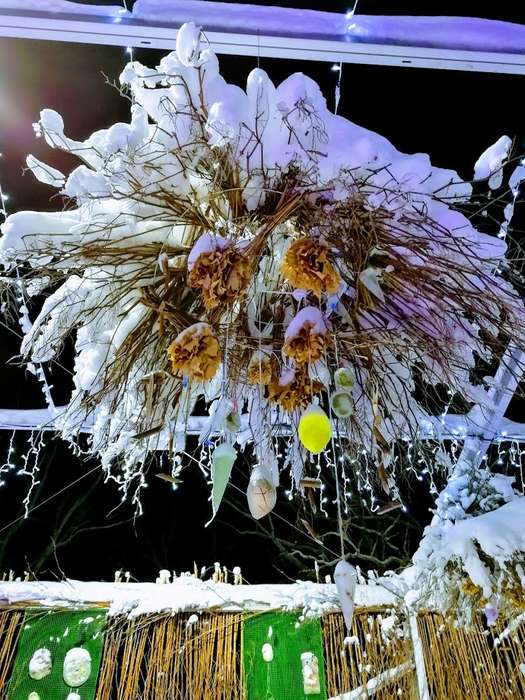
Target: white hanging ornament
{"type": "Point", "coordinates": [345, 577]}
{"type": "Point", "coordinates": [342, 404]}
{"type": "Point", "coordinates": [77, 667]}
{"type": "Point", "coordinates": [40, 664]}
{"type": "Point", "coordinates": [311, 678]}
{"type": "Point", "coordinates": [261, 493]}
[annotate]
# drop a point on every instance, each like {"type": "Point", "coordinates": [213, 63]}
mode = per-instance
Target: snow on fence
{"type": "Point", "coordinates": [188, 652]}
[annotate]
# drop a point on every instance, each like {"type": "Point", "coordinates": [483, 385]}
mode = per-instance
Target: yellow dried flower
{"type": "Point", "coordinates": [222, 275]}
{"type": "Point", "coordinates": [195, 353]}
{"type": "Point", "coordinates": [306, 266]}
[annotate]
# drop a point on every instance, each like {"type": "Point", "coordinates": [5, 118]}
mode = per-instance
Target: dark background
{"type": "Point", "coordinates": [85, 531]}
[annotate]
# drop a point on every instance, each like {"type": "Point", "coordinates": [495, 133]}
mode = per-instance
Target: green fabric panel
{"type": "Point", "coordinates": [58, 632]}
{"type": "Point", "coordinates": [281, 678]}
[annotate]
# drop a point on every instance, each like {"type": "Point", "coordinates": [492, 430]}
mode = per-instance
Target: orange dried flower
{"type": "Point", "coordinates": [306, 266]}
{"type": "Point", "coordinates": [222, 275]}
{"type": "Point", "coordinates": [195, 352]}
{"type": "Point", "coordinates": [307, 345]}
{"type": "Point", "coordinates": [307, 336]}
{"type": "Point", "coordinates": [261, 368]}
{"type": "Point", "coordinates": [297, 393]}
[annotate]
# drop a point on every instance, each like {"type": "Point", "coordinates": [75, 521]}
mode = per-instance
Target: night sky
{"type": "Point", "coordinates": [452, 116]}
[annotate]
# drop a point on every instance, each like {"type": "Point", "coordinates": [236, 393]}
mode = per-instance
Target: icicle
{"type": "Point", "coordinates": [345, 576]}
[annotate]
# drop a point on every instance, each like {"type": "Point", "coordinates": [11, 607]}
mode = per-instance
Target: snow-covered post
{"type": "Point", "coordinates": [506, 380]}
{"type": "Point", "coordinates": [419, 659]}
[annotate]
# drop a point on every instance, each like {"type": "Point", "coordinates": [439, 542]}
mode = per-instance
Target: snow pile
{"type": "Point", "coordinates": [459, 33]}
{"type": "Point", "coordinates": [188, 593]}
{"type": "Point", "coordinates": [65, 7]}
{"type": "Point", "coordinates": [489, 164]}
{"type": "Point", "coordinates": [478, 555]}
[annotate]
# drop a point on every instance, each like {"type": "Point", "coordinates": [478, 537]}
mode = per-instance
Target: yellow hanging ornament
{"type": "Point", "coordinates": [315, 429]}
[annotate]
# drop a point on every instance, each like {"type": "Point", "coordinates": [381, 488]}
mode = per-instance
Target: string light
{"type": "Point", "coordinates": [350, 13]}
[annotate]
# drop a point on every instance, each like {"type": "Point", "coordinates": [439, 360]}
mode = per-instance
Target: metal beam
{"type": "Point", "coordinates": [451, 427]}
{"type": "Point", "coordinates": [506, 382]}
{"type": "Point", "coordinates": [135, 33]}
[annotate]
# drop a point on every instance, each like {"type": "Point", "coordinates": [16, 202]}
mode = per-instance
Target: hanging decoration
{"type": "Point", "coordinates": [59, 655]}
{"type": "Point", "coordinates": [345, 577]}
{"type": "Point", "coordinates": [283, 657]}
{"type": "Point", "coordinates": [249, 255]}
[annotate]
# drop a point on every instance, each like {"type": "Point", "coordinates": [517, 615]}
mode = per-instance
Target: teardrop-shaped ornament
{"type": "Point", "coordinates": [261, 493]}
{"type": "Point", "coordinates": [315, 429]}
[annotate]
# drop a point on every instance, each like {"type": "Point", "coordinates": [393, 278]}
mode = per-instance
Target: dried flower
{"type": "Point", "coordinates": [261, 368]}
{"type": "Point", "coordinates": [294, 390]}
{"type": "Point", "coordinates": [195, 352]}
{"type": "Point", "coordinates": [222, 273]}
{"type": "Point", "coordinates": [307, 346]}
{"type": "Point", "coordinates": [306, 337]}
{"type": "Point", "coordinates": [306, 266]}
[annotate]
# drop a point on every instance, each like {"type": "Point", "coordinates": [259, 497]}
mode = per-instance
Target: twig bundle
{"type": "Point", "coordinates": [248, 247]}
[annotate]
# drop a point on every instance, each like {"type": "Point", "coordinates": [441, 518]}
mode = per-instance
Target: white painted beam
{"type": "Point", "coordinates": [332, 48]}
{"type": "Point", "coordinates": [451, 427]}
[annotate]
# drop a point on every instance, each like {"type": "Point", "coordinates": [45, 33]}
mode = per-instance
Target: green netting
{"type": "Point", "coordinates": [282, 677]}
{"type": "Point", "coordinates": [58, 632]}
